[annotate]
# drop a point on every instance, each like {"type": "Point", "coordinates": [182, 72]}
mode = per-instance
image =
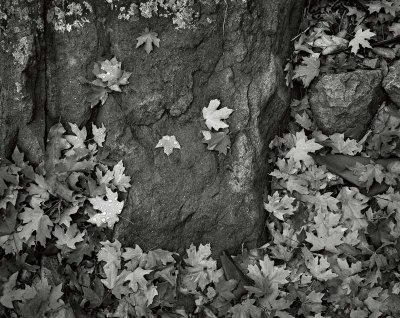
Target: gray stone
{"type": "Point", "coordinates": [194, 195]}
{"type": "Point", "coordinates": [391, 83]}
{"type": "Point", "coordinates": [346, 101]}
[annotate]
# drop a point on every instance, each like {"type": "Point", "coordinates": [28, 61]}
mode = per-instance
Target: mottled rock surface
{"type": "Point", "coordinates": [346, 101]}
{"type": "Point", "coordinates": [194, 195]}
{"type": "Point", "coordinates": [391, 83]}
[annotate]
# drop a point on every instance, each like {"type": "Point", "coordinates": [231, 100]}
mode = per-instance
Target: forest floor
{"type": "Point", "coordinates": [333, 212]}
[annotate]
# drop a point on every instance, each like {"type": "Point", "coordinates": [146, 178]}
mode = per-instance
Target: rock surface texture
{"type": "Point", "coordinates": [346, 101]}
{"type": "Point", "coordinates": [194, 195]}
{"type": "Point", "coordinates": [391, 83]}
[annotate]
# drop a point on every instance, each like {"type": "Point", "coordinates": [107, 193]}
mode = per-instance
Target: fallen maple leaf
{"type": "Point", "coordinates": [218, 141]}
{"type": "Point", "coordinates": [35, 221]}
{"type": "Point", "coordinates": [328, 235]}
{"type": "Point", "coordinates": [353, 202]}
{"type": "Point", "coordinates": [168, 143]}
{"type": "Point", "coordinates": [318, 267]}
{"type": "Point", "coordinates": [329, 43]}
{"type": "Point", "coordinates": [115, 282]}
{"type": "Point", "coordinates": [202, 269]}
{"type": "Point", "coordinates": [308, 70]}
{"type": "Point", "coordinates": [368, 173]}
{"type": "Point", "coordinates": [69, 237]}
{"type": "Point", "coordinates": [246, 309]}
{"type": "Point", "coordinates": [110, 71]}
{"type": "Point", "coordinates": [346, 147]}
{"type": "Point", "coordinates": [302, 148]}
{"type": "Point", "coordinates": [120, 180]}
{"type": "Point", "coordinates": [280, 206]}
{"type": "Point", "coordinates": [99, 134]}
{"type": "Point", "coordinates": [77, 141]}
{"type": "Point", "coordinates": [109, 208]}
{"type": "Point", "coordinates": [268, 278]}
{"type": "Point", "coordinates": [11, 294]}
{"type": "Point", "coordinates": [214, 117]}
{"type": "Point", "coordinates": [110, 253]}
{"type": "Point", "coordinates": [377, 6]}
{"type": "Point", "coordinates": [134, 257]}
{"type": "Point", "coordinates": [137, 280]}
{"type": "Point", "coordinates": [97, 94]}
{"type": "Point", "coordinates": [148, 38]}
{"type": "Point", "coordinates": [361, 38]}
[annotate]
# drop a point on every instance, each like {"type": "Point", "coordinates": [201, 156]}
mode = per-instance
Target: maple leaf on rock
{"type": "Point", "coordinates": [214, 117]}
{"type": "Point", "coordinates": [148, 38]}
{"type": "Point", "coordinates": [168, 143]}
{"type": "Point", "coordinates": [361, 38]}
{"type": "Point", "coordinates": [308, 70]}
{"type": "Point", "coordinates": [77, 141]}
{"type": "Point", "coordinates": [120, 180]}
{"type": "Point", "coordinates": [99, 134]}
{"type": "Point", "coordinates": [69, 238]}
{"type": "Point", "coordinates": [110, 71]}
{"type": "Point", "coordinates": [218, 141]}
{"type": "Point", "coordinates": [110, 209]}
{"type": "Point", "coordinates": [97, 94]}
{"type": "Point", "coordinates": [301, 149]}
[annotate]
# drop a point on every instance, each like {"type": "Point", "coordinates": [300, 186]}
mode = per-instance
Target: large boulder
{"type": "Point", "coordinates": [194, 195]}
{"type": "Point", "coordinates": [346, 101]}
{"type": "Point", "coordinates": [391, 83]}
{"type": "Point", "coordinates": [22, 80]}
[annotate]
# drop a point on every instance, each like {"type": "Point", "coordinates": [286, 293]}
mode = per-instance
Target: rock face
{"type": "Point", "coordinates": [391, 83]}
{"type": "Point", "coordinates": [194, 195]}
{"type": "Point", "coordinates": [346, 101]}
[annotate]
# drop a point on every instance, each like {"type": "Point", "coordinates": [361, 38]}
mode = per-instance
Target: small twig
{"type": "Point", "coordinates": [308, 28]}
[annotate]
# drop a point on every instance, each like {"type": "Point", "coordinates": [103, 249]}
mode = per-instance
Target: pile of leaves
{"type": "Point", "coordinates": [340, 36]}
{"type": "Point", "coordinates": [333, 213]}
{"type": "Point", "coordinates": [334, 247]}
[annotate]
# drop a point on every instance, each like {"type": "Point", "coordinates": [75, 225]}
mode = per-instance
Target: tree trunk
{"type": "Point", "coordinates": [194, 195]}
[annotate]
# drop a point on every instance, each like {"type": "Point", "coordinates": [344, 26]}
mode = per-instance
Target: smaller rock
{"type": "Point", "coordinates": [341, 102]}
{"type": "Point", "coordinates": [391, 83]}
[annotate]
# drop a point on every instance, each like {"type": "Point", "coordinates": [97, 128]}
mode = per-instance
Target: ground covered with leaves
{"type": "Point", "coordinates": [333, 209]}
